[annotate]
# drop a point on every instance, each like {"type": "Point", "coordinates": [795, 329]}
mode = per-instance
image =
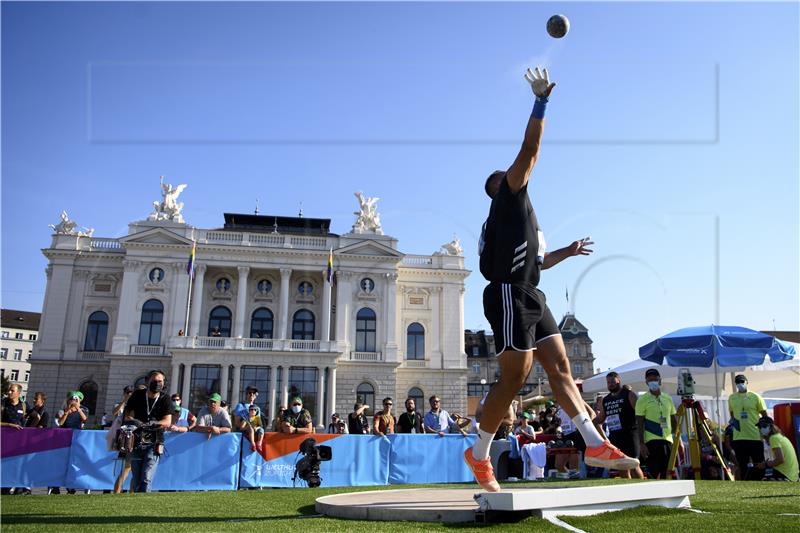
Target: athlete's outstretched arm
{"type": "Point", "coordinates": [576, 248]}
{"type": "Point", "coordinates": [517, 175]}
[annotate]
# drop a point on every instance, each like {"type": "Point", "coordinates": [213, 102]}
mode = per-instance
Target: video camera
{"type": "Point", "coordinates": [685, 383]}
{"type": "Point", "coordinates": [133, 434]}
{"type": "Point", "coordinates": [307, 468]}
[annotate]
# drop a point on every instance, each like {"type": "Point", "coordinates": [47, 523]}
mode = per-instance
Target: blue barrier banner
{"type": "Point", "coordinates": [358, 460]}
{"type": "Point", "coordinates": [192, 461]}
{"type": "Point", "coordinates": [429, 459]}
{"type": "Point", "coordinates": [34, 457]}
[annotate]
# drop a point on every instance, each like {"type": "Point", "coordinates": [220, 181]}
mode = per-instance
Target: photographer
{"type": "Point", "coordinates": [74, 415]}
{"type": "Point", "coordinates": [337, 425]}
{"type": "Point", "coordinates": [357, 423]}
{"type": "Point", "coordinates": [150, 409]}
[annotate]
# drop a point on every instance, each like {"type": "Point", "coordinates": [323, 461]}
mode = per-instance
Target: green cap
{"type": "Point", "coordinates": [77, 393]}
{"type": "Point", "coordinates": [215, 398]}
{"type": "Point", "coordinates": [297, 399]}
{"type": "Point", "coordinates": [527, 416]}
{"type": "Point", "coordinates": [550, 403]}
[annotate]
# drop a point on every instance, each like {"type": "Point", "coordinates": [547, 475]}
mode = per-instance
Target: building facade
{"type": "Point", "coordinates": [18, 332]}
{"type": "Point", "coordinates": [482, 363]}
{"type": "Point", "coordinates": [259, 310]}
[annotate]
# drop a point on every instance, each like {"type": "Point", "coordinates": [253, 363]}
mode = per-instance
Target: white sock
{"type": "Point", "coordinates": [589, 433]}
{"type": "Point", "coordinates": [480, 450]}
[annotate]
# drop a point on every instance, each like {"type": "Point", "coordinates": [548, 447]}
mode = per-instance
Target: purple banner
{"type": "Point", "coordinates": [15, 442]}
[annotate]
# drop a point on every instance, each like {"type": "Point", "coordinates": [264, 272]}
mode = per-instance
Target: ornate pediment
{"type": "Point", "coordinates": [370, 248]}
{"type": "Point", "coordinates": [155, 236]}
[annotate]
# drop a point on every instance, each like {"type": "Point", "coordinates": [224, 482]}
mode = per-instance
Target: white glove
{"type": "Point", "coordinates": [540, 83]}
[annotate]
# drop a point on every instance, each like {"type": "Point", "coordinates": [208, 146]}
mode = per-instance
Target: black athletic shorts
{"type": "Point", "coordinates": [627, 441]}
{"type": "Point", "coordinates": [519, 316]}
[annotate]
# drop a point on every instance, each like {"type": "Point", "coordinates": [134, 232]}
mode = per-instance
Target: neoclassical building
{"type": "Point", "coordinates": [259, 310]}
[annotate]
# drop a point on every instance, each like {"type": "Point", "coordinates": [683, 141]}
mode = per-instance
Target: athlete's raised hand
{"type": "Point", "coordinates": [539, 81]}
{"type": "Point", "coordinates": [581, 247]}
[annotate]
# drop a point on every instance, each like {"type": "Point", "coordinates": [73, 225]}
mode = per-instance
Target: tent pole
{"type": "Point", "coordinates": [716, 322]}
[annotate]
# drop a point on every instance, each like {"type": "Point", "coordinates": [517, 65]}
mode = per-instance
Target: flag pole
{"type": "Point", "coordinates": [189, 271]}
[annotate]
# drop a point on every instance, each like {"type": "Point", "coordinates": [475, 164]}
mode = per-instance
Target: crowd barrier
{"type": "Point", "coordinates": [192, 461]}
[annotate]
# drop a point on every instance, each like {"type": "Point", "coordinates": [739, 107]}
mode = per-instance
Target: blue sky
{"type": "Point", "coordinates": [665, 117]}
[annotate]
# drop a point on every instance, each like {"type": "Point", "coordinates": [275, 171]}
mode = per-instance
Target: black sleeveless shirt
{"type": "Point", "coordinates": [620, 415]}
{"type": "Point", "coordinates": [512, 245]}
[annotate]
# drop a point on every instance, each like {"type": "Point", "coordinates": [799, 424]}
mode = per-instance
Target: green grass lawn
{"type": "Point", "coordinates": [739, 506]}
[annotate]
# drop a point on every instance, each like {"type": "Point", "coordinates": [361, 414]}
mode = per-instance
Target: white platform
{"type": "Point", "coordinates": [583, 501]}
{"type": "Point", "coordinates": [467, 504]}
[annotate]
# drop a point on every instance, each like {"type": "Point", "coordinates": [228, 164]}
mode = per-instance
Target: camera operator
{"type": "Point", "coordinates": [150, 408]}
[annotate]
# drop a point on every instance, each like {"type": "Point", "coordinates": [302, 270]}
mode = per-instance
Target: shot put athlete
{"type": "Point", "coordinates": [512, 254]}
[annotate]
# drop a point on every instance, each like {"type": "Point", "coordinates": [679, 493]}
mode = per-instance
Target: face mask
{"type": "Point", "coordinates": [741, 387]}
{"type": "Point", "coordinates": [296, 409]}
{"type": "Point", "coordinates": [155, 386]}
{"type": "Point", "coordinates": [176, 405]}
{"type": "Point", "coordinates": [653, 386]}
{"type": "Point", "coordinates": [765, 431]}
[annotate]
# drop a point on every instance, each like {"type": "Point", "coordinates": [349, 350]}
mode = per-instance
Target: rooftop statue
{"type": "Point", "coordinates": [66, 226]}
{"type": "Point", "coordinates": [367, 218]}
{"type": "Point", "coordinates": [168, 208]}
{"type": "Point", "coordinates": [451, 248]}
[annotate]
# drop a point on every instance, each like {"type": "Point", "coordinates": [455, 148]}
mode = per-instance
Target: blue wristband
{"type": "Point", "coordinates": [539, 107]}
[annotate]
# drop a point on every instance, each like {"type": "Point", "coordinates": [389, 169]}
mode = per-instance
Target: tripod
{"type": "Point", "coordinates": [692, 416]}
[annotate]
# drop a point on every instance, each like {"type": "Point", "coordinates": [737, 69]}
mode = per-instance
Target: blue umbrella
{"type": "Point", "coordinates": [724, 345]}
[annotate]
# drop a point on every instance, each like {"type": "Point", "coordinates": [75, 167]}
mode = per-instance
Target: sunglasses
{"type": "Point", "coordinates": [388, 404]}
{"type": "Point", "coordinates": [297, 404]}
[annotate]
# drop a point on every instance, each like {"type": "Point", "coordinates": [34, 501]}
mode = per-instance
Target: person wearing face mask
{"type": "Point", "coordinates": [182, 419]}
{"type": "Point", "coordinates": [784, 458]}
{"type": "Point", "coordinates": [745, 408]}
{"type": "Point", "coordinates": [655, 418]}
{"type": "Point", "coordinates": [618, 411]}
{"type": "Point", "coordinates": [148, 406]}
{"type": "Point", "coordinates": [296, 419]}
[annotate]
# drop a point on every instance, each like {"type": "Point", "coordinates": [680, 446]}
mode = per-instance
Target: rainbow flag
{"type": "Point", "coordinates": [329, 274]}
{"type": "Point", "coordinates": [190, 265]}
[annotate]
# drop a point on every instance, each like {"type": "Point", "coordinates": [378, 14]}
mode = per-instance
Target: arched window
{"type": "Point", "coordinates": [365, 394]}
{"type": "Point", "coordinates": [96, 332]}
{"type": "Point", "coordinates": [219, 322]}
{"type": "Point", "coordinates": [419, 398]}
{"type": "Point", "coordinates": [89, 391]}
{"type": "Point", "coordinates": [303, 325]}
{"type": "Point", "coordinates": [261, 324]}
{"type": "Point", "coordinates": [150, 326]}
{"type": "Point", "coordinates": [415, 341]}
{"type": "Point", "coordinates": [365, 330]}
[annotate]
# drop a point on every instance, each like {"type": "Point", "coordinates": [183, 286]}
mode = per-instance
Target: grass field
{"type": "Point", "coordinates": [739, 506]}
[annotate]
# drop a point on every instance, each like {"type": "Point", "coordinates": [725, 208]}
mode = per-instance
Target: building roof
{"type": "Point", "coordinates": [484, 342]}
{"type": "Point", "coordinates": [273, 223]}
{"type": "Point", "coordinates": [11, 318]}
{"type": "Point", "coordinates": [571, 328]}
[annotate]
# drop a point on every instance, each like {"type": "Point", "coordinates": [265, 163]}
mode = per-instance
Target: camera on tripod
{"type": "Point", "coordinates": [307, 468]}
{"type": "Point", "coordinates": [685, 383]}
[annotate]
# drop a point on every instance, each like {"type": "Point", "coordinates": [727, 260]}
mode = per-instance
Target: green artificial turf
{"type": "Point", "coordinates": [739, 506]}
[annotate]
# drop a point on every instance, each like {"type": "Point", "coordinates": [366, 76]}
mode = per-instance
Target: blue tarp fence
{"type": "Point", "coordinates": [192, 461]}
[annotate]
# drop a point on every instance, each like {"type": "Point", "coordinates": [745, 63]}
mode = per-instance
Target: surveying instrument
{"type": "Point", "coordinates": [692, 419]}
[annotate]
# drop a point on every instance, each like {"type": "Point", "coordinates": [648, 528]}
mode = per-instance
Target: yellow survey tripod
{"type": "Point", "coordinates": [692, 418]}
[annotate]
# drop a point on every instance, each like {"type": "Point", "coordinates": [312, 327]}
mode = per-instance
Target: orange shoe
{"type": "Point", "coordinates": [608, 456]}
{"type": "Point", "coordinates": [483, 471]}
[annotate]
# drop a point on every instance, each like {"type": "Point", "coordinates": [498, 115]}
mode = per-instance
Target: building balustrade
{"type": "Point", "coordinates": [416, 363]}
{"type": "Point", "coordinates": [366, 356]}
{"type": "Point", "coordinates": [146, 349]}
{"type": "Point", "coordinates": [253, 344]}
{"type": "Point", "coordinates": [92, 356]}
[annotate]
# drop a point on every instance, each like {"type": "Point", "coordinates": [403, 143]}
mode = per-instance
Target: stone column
{"type": "Point", "coordinates": [344, 294]}
{"type": "Point", "coordinates": [285, 387]}
{"type": "Point", "coordinates": [326, 309]}
{"type": "Point", "coordinates": [223, 383]}
{"type": "Point", "coordinates": [241, 303]}
{"type": "Point", "coordinates": [273, 396]}
{"type": "Point", "coordinates": [181, 292]}
{"type": "Point", "coordinates": [283, 320]}
{"type": "Point", "coordinates": [320, 392]}
{"type": "Point", "coordinates": [187, 382]}
{"type": "Point", "coordinates": [74, 326]}
{"type": "Point", "coordinates": [174, 378]}
{"type": "Point", "coordinates": [237, 384]}
{"type": "Point", "coordinates": [390, 350]}
{"type": "Point", "coordinates": [332, 391]}
{"type": "Point", "coordinates": [197, 300]}
{"type": "Point", "coordinates": [127, 307]}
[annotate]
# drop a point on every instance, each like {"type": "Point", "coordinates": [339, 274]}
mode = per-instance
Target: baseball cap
{"type": "Point", "coordinates": [215, 398]}
{"type": "Point", "coordinates": [652, 372]}
{"type": "Point", "coordinates": [740, 378]}
{"type": "Point", "coordinates": [550, 403]}
{"type": "Point", "coordinates": [76, 394]}
{"type": "Point", "coordinates": [527, 416]}
{"type": "Point", "coordinates": [297, 399]}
